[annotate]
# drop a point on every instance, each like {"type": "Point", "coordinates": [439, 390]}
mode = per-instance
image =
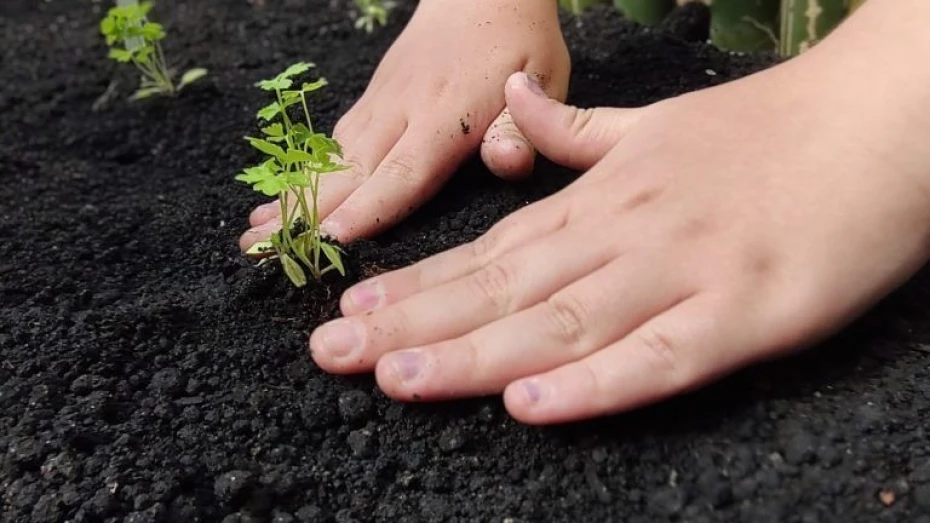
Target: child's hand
{"type": "Point", "coordinates": [673, 260]}
{"type": "Point", "coordinates": [437, 95]}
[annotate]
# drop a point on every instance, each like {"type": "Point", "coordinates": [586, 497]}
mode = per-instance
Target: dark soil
{"type": "Point", "coordinates": [149, 374]}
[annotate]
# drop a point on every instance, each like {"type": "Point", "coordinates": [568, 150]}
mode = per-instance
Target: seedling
{"type": "Point", "coordinates": [132, 38]}
{"type": "Point", "coordinates": [297, 157]}
{"type": "Point", "coordinates": [371, 11]}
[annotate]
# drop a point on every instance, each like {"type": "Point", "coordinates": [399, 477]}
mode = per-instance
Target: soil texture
{"type": "Point", "coordinates": [150, 374]}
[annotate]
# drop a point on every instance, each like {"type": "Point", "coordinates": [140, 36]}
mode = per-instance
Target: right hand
{"type": "Point", "coordinates": [437, 94]}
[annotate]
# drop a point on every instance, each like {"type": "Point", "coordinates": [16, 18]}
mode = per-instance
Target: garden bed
{"type": "Point", "coordinates": [149, 373]}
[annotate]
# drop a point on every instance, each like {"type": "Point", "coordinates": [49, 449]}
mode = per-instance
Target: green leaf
{"type": "Point", "coordinates": [147, 93]}
{"type": "Point", "coordinates": [296, 156]}
{"type": "Point", "coordinates": [152, 31]}
{"type": "Point", "coordinates": [267, 147]}
{"type": "Point", "coordinates": [301, 133]}
{"type": "Point", "coordinates": [302, 247]}
{"type": "Point", "coordinates": [314, 86]}
{"type": "Point", "coordinates": [269, 111]}
{"type": "Point", "coordinates": [255, 174]}
{"type": "Point", "coordinates": [297, 179]}
{"type": "Point", "coordinates": [264, 178]}
{"type": "Point", "coordinates": [276, 242]}
{"type": "Point", "coordinates": [142, 53]}
{"type": "Point", "coordinates": [192, 75]}
{"type": "Point", "coordinates": [275, 84]}
{"type": "Point", "coordinates": [107, 26]}
{"type": "Point", "coordinates": [334, 257]}
{"type": "Point", "coordinates": [296, 69]}
{"type": "Point", "coordinates": [274, 130]}
{"type": "Point", "coordinates": [120, 55]}
{"type": "Point", "coordinates": [290, 98]}
{"type": "Point", "coordinates": [272, 186]}
{"type": "Point", "coordinates": [143, 9]}
{"type": "Point", "coordinates": [293, 271]}
{"type": "Point", "coordinates": [321, 142]}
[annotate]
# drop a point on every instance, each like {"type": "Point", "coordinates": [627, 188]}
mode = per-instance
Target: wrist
{"type": "Point", "coordinates": [867, 82]}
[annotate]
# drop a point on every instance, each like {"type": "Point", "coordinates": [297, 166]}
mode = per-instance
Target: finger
{"type": "Point", "coordinates": [520, 228]}
{"type": "Point", "coordinates": [259, 233]}
{"type": "Point", "coordinates": [412, 172]}
{"type": "Point", "coordinates": [264, 212]}
{"type": "Point", "coordinates": [572, 323]}
{"type": "Point", "coordinates": [574, 137]}
{"type": "Point", "coordinates": [365, 144]}
{"type": "Point", "coordinates": [505, 151]}
{"type": "Point", "coordinates": [674, 352]}
{"type": "Point", "coordinates": [503, 287]}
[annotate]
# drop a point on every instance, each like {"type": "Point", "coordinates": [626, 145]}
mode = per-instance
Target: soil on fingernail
{"type": "Point", "coordinates": [150, 373]}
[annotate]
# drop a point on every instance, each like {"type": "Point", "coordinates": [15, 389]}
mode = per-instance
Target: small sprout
{"type": "Point", "coordinates": [371, 11]}
{"type": "Point", "coordinates": [132, 38]}
{"type": "Point", "coordinates": [295, 159]}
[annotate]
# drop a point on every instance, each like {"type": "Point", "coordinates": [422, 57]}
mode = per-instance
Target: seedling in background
{"type": "Point", "coordinates": [371, 11]}
{"type": "Point", "coordinates": [132, 38]}
{"type": "Point", "coordinates": [297, 157]}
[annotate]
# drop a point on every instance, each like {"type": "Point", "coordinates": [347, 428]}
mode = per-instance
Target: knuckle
{"type": "Point", "coordinates": [484, 248]}
{"type": "Point", "coordinates": [400, 169]}
{"type": "Point", "coordinates": [356, 172]}
{"type": "Point", "coordinates": [600, 385]}
{"type": "Point", "coordinates": [494, 283]}
{"type": "Point", "coordinates": [503, 233]}
{"type": "Point", "coordinates": [440, 88]}
{"type": "Point", "coordinates": [470, 360]}
{"type": "Point", "coordinates": [567, 316]}
{"type": "Point", "coordinates": [661, 350]}
{"type": "Point", "coordinates": [580, 119]}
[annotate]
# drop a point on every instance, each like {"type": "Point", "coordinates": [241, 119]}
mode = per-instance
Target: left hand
{"type": "Point", "coordinates": [435, 98]}
{"type": "Point", "coordinates": [712, 230]}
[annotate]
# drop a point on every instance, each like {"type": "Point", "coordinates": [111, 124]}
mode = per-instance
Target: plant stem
{"type": "Point", "coordinates": [744, 25]}
{"type": "Point", "coordinates": [162, 65]}
{"type": "Point", "coordinates": [303, 101]}
{"type": "Point", "coordinates": [154, 74]}
{"type": "Point", "coordinates": [287, 120]}
{"type": "Point", "coordinates": [287, 219]}
{"type": "Point", "coordinates": [806, 22]}
{"type": "Point", "coordinates": [314, 189]}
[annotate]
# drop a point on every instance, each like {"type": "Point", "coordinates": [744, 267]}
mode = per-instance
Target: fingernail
{"type": "Point", "coordinates": [516, 139]}
{"type": "Point", "coordinates": [531, 391]}
{"type": "Point", "coordinates": [407, 364]}
{"type": "Point", "coordinates": [366, 296]}
{"type": "Point", "coordinates": [533, 85]}
{"type": "Point", "coordinates": [341, 337]}
{"type": "Point", "coordinates": [331, 228]}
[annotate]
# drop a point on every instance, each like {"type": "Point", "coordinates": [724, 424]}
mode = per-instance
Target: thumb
{"type": "Point", "coordinates": [505, 151]}
{"type": "Point", "coordinates": [570, 136]}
